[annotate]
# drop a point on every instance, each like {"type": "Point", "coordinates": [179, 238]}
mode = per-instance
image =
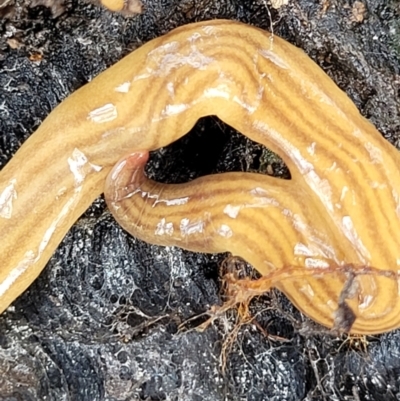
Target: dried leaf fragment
{"type": "Point", "coordinates": [127, 7]}
{"type": "Point", "coordinates": [358, 12]}
{"type": "Point", "coordinates": [14, 43]}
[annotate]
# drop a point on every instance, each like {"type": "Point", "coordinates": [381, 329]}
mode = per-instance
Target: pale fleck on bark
{"type": "Point", "coordinates": [278, 3]}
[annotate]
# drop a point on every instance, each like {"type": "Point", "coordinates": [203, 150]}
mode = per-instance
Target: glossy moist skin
{"type": "Point", "coordinates": [337, 220]}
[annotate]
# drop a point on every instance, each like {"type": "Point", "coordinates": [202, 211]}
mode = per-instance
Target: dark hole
{"type": "Point", "coordinates": [213, 147]}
